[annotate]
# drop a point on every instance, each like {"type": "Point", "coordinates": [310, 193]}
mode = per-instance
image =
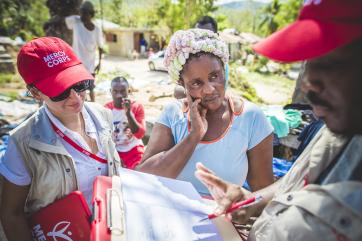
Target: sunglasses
{"type": "Point", "coordinates": [79, 87]}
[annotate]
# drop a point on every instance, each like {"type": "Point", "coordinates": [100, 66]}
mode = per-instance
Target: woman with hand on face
{"type": "Point", "coordinates": [230, 136]}
{"type": "Point", "coordinates": [63, 146]}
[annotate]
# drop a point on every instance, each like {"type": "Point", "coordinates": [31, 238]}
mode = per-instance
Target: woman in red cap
{"type": "Point", "coordinates": [63, 146]}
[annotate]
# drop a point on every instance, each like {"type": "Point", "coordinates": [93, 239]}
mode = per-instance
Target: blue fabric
{"type": "Point", "coordinates": [281, 167]}
{"type": "Point", "coordinates": [4, 145]}
{"type": "Point", "coordinates": [246, 186]}
{"type": "Point", "coordinates": [307, 135]}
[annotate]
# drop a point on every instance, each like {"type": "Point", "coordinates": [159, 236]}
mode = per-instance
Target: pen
{"type": "Point", "coordinates": [235, 206]}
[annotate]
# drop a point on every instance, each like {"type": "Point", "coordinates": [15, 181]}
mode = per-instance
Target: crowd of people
{"type": "Point", "coordinates": [208, 138]}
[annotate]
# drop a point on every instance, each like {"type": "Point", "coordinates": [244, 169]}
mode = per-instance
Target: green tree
{"type": "Point", "coordinates": [277, 15]}
{"type": "Point", "coordinates": [22, 18]}
{"type": "Point", "coordinates": [117, 16]}
{"type": "Point", "coordinates": [130, 13]}
{"type": "Point", "coordinates": [183, 14]}
{"type": "Point", "coordinates": [241, 20]}
{"type": "Point", "coordinates": [288, 12]}
{"type": "Point", "coordinates": [268, 23]}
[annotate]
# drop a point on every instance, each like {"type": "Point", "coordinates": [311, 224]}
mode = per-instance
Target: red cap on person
{"type": "Point", "coordinates": [50, 65]}
{"type": "Point", "coordinates": [322, 26]}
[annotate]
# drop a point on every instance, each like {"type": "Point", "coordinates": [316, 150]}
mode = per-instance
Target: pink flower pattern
{"type": "Point", "coordinates": [184, 42]}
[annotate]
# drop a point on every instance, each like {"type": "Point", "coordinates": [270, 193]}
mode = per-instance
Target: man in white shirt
{"type": "Point", "coordinates": [87, 38]}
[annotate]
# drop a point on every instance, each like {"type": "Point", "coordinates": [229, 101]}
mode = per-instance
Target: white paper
{"type": "Point", "coordinates": [163, 209]}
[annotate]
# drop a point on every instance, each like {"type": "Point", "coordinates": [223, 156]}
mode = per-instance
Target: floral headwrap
{"type": "Point", "coordinates": [186, 42]}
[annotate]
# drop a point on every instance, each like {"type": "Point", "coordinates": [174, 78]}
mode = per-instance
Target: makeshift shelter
{"type": "Point", "coordinates": [122, 41]}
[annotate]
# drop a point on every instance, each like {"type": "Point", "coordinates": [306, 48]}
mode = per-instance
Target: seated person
{"type": "Point", "coordinates": [229, 135]}
{"type": "Point", "coordinates": [129, 123]}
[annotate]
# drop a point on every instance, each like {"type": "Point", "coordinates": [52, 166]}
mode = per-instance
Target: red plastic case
{"type": "Point", "coordinates": [65, 219]}
{"type": "Point", "coordinates": [99, 228]}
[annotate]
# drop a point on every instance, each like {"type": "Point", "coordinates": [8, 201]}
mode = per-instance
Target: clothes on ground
{"type": "Point", "coordinates": [281, 166]}
{"type": "Point", "coordinates": [307, 135]}
{"type": "Point", "coordinates": [37, 155]}
{"type": "Point", "coordinates": [294, 208]}
{"type": "Point", "coordinates": [246, 130]}
{"type": "Point", "coordinates": [128, 143]}
{"type": "Point", "coordinates": [282, 120]}
{"type": "Point", "coordinates": [85, 42]}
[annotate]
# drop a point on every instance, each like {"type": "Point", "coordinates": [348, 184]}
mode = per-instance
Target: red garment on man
{"type": "Point", "coordinates": [129, 145]}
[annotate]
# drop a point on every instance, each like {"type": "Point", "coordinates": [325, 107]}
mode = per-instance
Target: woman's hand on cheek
{"type": "Point", "coordinates": [197, 117]}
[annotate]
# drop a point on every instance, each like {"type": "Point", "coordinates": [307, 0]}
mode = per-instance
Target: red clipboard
{"type": "Point", "coordinates": [67, 219]}
{"type": "Point", "coordinates": [99, 227]}
{"type": "Point", "coordinates": [107, 217]}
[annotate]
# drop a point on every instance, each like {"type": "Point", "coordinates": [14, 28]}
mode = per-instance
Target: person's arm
{"type": "Point", "coordinates": [12, 212]}
{"type": "Point", "coordinates": [225, 194]}
{"type": "Point", "coordinates": [260, 173]}
{"type": "Point", "coordinates": [136, 120]}
{"type": "Point", "coordinates": [162, 156]}
{"type": "Point", "coordinates": [98, 67]}
{"type": "Point", "coordinates": [70, 21]}
{"type": "Point", "coordinates": [100, 44]}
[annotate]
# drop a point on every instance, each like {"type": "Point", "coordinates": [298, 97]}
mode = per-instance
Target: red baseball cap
{"type": "Point", "coordinates": [322, 26]}
{"type": "Point", "coordinates": [50, 65]}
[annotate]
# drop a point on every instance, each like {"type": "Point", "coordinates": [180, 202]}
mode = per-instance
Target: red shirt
{"type": "Point", "coordinates": [139, 114]}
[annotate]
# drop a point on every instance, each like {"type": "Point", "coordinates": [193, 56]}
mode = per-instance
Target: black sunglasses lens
{"type": "Point", "coordinates": [82, 86]}
{"type": "Point", "coordinates": [62, 96]}
{"type": "Point", "coordinates": [79, 87]}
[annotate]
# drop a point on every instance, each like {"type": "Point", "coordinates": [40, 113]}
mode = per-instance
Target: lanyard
{"type": "Point", "coordinates": [76, 146]}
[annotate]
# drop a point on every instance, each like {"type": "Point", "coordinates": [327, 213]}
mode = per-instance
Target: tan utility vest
{"type": "Point", "coordinates": [51, 167]}
{"type": "Point", "coordinates": [301, 212]}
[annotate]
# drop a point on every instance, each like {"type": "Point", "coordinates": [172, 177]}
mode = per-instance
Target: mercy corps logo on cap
{"type": "Point", "coordinates": [56, 58]}
{"type": "Point", "coordinates": [50, 65]}
{"type": "Point", "coordinates": [43, 57]}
